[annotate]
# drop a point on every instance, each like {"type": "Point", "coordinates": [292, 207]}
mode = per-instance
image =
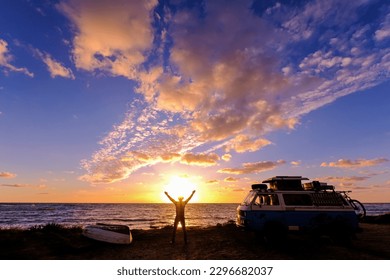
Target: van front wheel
{"type": "Point", "coordinates": [275, 232]}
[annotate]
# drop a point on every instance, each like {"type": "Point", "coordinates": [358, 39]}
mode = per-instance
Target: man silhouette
{"type": "Point", "coordinates": [180, 205]}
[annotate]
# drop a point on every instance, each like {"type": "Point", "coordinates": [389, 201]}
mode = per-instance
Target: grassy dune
{"type": "Point", "coordinates": [53, 241]}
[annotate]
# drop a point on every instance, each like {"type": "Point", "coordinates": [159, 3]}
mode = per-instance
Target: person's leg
{"type": "Point", "coordinates": [174, 229]}
{"type": "Point", "coordinates": [183, 225]}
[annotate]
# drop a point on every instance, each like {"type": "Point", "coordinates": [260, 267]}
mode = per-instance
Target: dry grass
{"type": "Point", "coordinates": [220, 242]}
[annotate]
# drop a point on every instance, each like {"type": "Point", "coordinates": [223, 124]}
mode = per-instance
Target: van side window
{"type": "Point", "coordinates": [267, 199]}
{"type": "Point", "coordinates": [297, 199]}
{"type": "Point", "coordinates": [274, 199]}
{"type": "Point", "coordinates": [259, 200]}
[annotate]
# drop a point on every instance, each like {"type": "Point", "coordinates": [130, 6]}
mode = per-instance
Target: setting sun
{"type": "Point", "coordinates": [179, 186]}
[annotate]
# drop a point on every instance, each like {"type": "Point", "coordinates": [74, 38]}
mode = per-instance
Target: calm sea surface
{"type": "Point", "coordinates": [137, 216]}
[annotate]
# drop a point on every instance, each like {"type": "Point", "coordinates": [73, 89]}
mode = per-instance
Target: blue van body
{"type": "Point", "coordinates": [291, 205]}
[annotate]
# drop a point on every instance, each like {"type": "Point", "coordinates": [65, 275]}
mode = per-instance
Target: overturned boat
{"type": "Point", "coordinates": [110, 233]}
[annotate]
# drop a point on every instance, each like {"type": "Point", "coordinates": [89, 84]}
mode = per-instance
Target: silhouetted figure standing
{"type": "Point", "coordinates": [180, 205]}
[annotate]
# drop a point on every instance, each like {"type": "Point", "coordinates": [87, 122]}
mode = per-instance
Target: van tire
{"type": "Point", "coordinates": [341, 233]}
{"type": "Point", "coordinates": [275, 232]}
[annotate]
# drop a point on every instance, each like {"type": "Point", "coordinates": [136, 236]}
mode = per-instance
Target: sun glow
{"type": "Point", "coordinates": [179, 186]}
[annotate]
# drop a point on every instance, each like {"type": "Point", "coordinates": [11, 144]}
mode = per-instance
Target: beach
{"type": "Point", "coordinates": [219, 242]}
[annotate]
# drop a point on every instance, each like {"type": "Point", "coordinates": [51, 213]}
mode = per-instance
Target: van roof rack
{"type": "Point", "coordinates": [281, 178]}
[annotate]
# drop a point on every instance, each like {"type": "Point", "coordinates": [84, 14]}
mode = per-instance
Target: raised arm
{"type": "Point", "coordinates": [170, 198]}
{"type": "Point", "coordinates": [188, 199]}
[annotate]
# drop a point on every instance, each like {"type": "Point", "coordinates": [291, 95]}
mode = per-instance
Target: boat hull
{"type": "Point", "coordinates": [115, 234]}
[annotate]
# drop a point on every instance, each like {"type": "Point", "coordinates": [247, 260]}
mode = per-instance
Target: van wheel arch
{"type": "Point", "coordinates": [275, 232]}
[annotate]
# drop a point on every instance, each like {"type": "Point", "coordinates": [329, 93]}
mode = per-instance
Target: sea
{"type": "Point", "coordinates": [135, 215]}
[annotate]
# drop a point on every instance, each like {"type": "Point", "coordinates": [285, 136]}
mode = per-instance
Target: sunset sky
{"type": "Point", "coordinates": [118, 101]}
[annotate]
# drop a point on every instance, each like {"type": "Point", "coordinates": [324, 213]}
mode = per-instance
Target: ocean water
{"type": "Point", "coordinates": [375, 209]}
{"type": "Point", "coordinates": [137, 216]}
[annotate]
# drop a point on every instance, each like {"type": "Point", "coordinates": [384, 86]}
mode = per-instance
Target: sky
{"type": "Point", "coordinates": [119, 101]}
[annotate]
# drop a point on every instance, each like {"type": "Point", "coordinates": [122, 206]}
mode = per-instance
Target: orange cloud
{"type": "Point", "coordinates": [227, 157]}
{"type": "Point", "coordinates": [110, 170]}
{"type": "Point", "coordinates": [56, 69]}
{"type": "Point", "coordinates": [7, 175]}
{"type": "Point", "coordinates": [200, 159]}
{"type": "Point", "coordinates": [6, 58]}
{"type": "Point", "coordinates": [212, 182]}
{"type": "Point", "coordinates": [112, 36]}
{"type": "Point", "coordinates": [213, 90]}
{"type": "Point", "coordinates": [138, 156]}
{"type": "Point", "coordinates": [346, 181]}
{"type": "Point", "coordinates": [170, 157]}
{"type": "Point", "coordinates": [347, 163]}
{"type": "Point", "coordinates": [15, 185]}
{"type": "Point", "coordinates": [230, 179]}
{"type": "Point", "coordinates": [243, 143]}
{"type": "Point", "coordinates": [253, 167]}
{"type": "Point", "coordinates": [23, 186]}
{"type": "Point", "coordinates": [225, 85]}
{"type": "Point", "coordinates": [176, 95]}
{"type": "Point", "coordinates": [295, 163]}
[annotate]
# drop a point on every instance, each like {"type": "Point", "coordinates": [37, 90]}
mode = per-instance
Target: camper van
{"type": "Point", "coordinates": [286, 203]}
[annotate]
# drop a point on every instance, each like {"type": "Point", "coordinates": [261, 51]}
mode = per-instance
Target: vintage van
{"type": "Point", "coordinates": [286, 204]}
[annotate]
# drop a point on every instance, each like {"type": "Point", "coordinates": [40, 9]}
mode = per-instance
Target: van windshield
{"type": "Point", "coordinates": [249, 198]}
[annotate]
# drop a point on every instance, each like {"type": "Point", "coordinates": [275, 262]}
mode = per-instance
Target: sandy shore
{"type": "Point", "coordinates": [218, 242]}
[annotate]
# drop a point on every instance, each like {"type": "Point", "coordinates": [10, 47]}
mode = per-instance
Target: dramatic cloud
{"type": "Point", "coordinates": [218, 76]}
{"type": "Point", "coordinates": [138, 141]}
{"type": "Point", "coordinates": [347, 163]}
{"type": "Point", "coordinates": [253, 167]}
{"type": "Point", "coordinates": [6, 58]}
{"type": "Point", "coordinates": [7, 175]}
{"type": "Point", "coordinates": [111, 36]}
{"type": "Point", "coordinates": [227, 86]}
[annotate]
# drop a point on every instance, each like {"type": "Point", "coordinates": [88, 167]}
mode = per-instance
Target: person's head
{"type": "Point", "coordinates": [181, 198]}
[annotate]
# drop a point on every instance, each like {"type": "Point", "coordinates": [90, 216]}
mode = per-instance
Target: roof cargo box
{"type": "Point", "coordinates": [286, 183]}
{"type": "Point", "coordinates": [259, 187]}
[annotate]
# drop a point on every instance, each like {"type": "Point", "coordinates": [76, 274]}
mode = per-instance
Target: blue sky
{"type": "Point", "coordinates": [110, 100]}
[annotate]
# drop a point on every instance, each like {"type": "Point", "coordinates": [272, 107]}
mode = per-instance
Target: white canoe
{"type": "Point", "coordinates": [117, 234]}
